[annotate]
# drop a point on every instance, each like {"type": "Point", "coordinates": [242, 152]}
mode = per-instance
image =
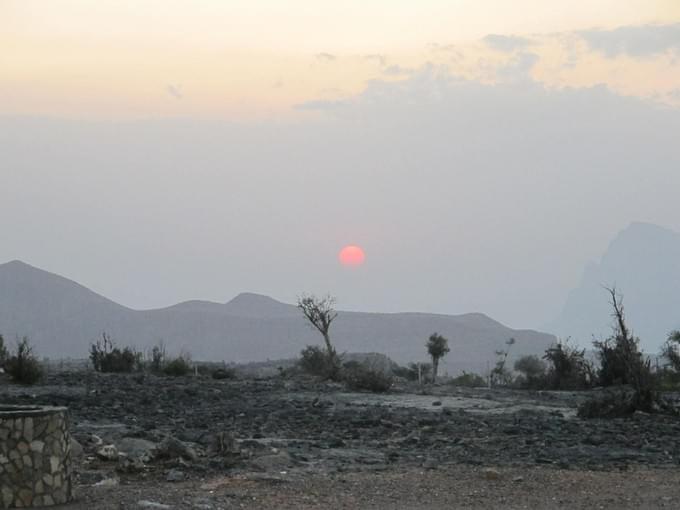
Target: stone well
{"type": "Point", "coordinates": [35, 456]}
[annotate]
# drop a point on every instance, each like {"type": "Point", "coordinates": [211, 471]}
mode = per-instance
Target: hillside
{"type": "Point", "coordinates": [643, 262]}
{"type": "Point", "coordinates": [62, 317]}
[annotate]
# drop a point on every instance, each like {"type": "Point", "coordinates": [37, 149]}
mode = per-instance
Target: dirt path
{"type": "Point", "coordinates": [444, 488]}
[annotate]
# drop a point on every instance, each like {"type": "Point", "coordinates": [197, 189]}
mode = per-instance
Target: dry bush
{"type": "Point", "coordinates": [568, 368]}
{"type": "Point", "coordinates": [360, 377]}
{"type": "Point", "coordinates": [317, 361]}
{"type": "Point", "coordinates": [469, 380]}
{"type": "Point", "coordinates": [23, 366]}
{"type": "Point", "coordinates": [179, 366]}
{"type": "Point", "coordinates": [106, 357]}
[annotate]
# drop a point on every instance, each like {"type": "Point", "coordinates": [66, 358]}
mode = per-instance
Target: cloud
{"type": "Point", "coordinates": [320, 105]}
{"type": "Point", "coordinates": [636, 41]}
{"type": "Point", "coordinates": [453, 51]}
{"type": "Point", "coordinates": [397, 70]}
{"type": "Point", "coordinates": [381, 59]}
{"type": "Point", "coordinates": [325, 57]}
{"type": "Point", "coordinates": [506, 43]}
{"type": "Point", "coordinates": [175, 91]}
{"type": "Point", "coordinates": [518, 68]}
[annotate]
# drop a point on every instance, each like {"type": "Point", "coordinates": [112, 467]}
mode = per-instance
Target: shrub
{"type": "Point", "coordinates": [533, 370]}
{"type": "Point", "coordinates": [567, 367]}
{"type": "Point", "coordinates": [4, 354]}
{"type": "Point", "coordinates": [669, 351]}
{"type": "Point", "coordinates": [611, 404]}
{"type": "Point", "coordinates": [178, 366]}
{"type": "Point", "coordinates": [224, 373]}
{"type": "Point", "coordinates": [622, 363]}
{"type": "Point", "coordinates": [106, 357]}
{"type": "Point", "coordinates": [360, 377]}
{"type": "Point", "coordinates": [468, 380]}
{"type": "Point", "coordinates": [317, 361]}
{"type": "Point", "coordinates": [410, 372]}
{"type": "Point", "coordinates": [23, 366]}
{"type": "Point", "coordinates": [668, 379]}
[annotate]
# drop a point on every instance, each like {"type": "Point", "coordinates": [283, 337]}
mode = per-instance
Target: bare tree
{"type": "Point", "coordinates": [622, 362]}
{"type": "Point", "coordinates": [320, 313]}
{"type": "Point", "coordinates": [437, 347]}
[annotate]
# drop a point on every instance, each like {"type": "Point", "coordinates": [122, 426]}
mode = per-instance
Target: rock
{"type": "Point", "coordinates": [111, 481]}
{"type": "Point", "coordinates": [491, 474]}
{"type": "Point", "coordinates": [223, 443]}
{"type": "Point", "coordinates": [172, 447]}
{"type": "Point", "coordinates": [93, 441]}
{"type": "Point", "coordinates": [437, 403]}
{"type": "Point", "coordinates": [131, 465]}
{"type": "Point", "coordinates": [175, 475]}
{"type": "Point", "coordinates": [107, 452]}
{"type": "Point", "coordinates": [152, 504]}
{"type": "Point", "coordinates": [430, 464]}
{"type": "Point", "coordinates": [137, 448]}
{"type": "Point", "coordinates": [518, 479]}
{"type": "Point", "coordinates": [274, 462]}
{"type": "Point", "coordinates": [90, 477]}
{"type": "Point", "coordinates": [77, 450]}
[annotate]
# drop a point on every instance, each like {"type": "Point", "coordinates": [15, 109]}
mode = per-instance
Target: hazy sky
{"type": "Point", "coordinates": [481, 152]}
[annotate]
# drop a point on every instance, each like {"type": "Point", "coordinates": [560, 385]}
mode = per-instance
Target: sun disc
{"type": "Point", "coordinates": [351, 255]}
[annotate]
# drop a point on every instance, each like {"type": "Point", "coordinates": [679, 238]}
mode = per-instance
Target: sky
{"type": "Point", "coordinates": [480, 152]}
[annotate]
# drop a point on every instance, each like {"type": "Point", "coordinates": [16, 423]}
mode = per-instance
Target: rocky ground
{"type": "Point", "coordinates": [197, 442]}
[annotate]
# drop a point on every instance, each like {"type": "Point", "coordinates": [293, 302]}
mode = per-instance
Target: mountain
{"type": "Point", "coordinates": [643, 262]}
{"type": "Point", "coordinates": [62, 318]}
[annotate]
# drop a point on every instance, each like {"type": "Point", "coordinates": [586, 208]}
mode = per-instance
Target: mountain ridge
{"type": "Point", "coordinates": [62, 317]}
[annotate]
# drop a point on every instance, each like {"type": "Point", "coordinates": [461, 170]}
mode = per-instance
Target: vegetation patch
{"type": "Point", "coordinates": [22, 365]}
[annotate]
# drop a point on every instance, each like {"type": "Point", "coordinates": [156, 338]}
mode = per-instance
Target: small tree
{"type": "Point", "coordinates": [500, 376]}
{"type": "Point", "coordinates": [437, 347]}
{"type": "Point", "coordinates": [320, 313]}
{"type": "Point", "coordinates": [158, 357]}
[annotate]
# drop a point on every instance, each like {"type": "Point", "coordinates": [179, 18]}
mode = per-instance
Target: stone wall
{"type": "Point", "coordinates": [35, 457]}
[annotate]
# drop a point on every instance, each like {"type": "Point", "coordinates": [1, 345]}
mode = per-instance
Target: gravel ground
{"type": "Point", "coordinates": [444, 488]}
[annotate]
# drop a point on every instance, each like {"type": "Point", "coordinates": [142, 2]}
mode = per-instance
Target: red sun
{"type": "Point", "coordinates": [351, 256]}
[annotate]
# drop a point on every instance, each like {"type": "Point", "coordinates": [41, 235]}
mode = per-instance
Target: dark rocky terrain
{"type": "Point", "coordinates": [173, 437]}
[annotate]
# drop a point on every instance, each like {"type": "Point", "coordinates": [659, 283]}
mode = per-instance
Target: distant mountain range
{"type": "Point", "coordinates": [643, 262]}
{"type": "Point", "coordinates": [62, 318]}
